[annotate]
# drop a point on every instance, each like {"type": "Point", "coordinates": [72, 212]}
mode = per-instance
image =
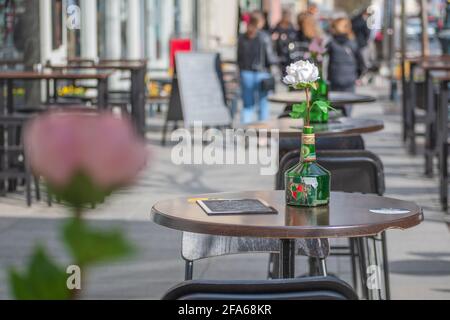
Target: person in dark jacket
{"type": "Point", "coordinates": [346, 63]}
{"type": "Point", "coordinates": [361, 29]}
{"type": "Point", "coordinates": [255, 56]}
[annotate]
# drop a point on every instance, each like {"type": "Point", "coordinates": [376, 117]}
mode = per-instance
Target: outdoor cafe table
{"type": "Point", "coordinates": [336, 127]}
{"type": "Point", "coordinates": [336, 98]}
{"type": "Point", "coordinates": [137, 69]}
{"type": "Point", "coordinates": [347, 216]}
{"type": "Point", "coordinates": [100, 76]}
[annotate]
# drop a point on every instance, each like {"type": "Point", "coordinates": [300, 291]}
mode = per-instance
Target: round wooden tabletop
{"type": "Point", "coordinates": [342, 126]}
{"type": "Point", "coordinates": [348, 215]}
{"type": "Point", "coordinates": [336, 98]}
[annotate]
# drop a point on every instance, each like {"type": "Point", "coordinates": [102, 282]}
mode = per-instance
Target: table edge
{"type": "Point", "coordinates": [354, 231]}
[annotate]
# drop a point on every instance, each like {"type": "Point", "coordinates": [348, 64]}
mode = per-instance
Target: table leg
{"type": "Point", "coordinates": [138, 99]}
{"type": "Point", "coordinates": [443, 144]}
{"type": "Point", "coordinates": [430, 120]}
{"type": "Point", "coordinates": [387, 282]}
{"type": "Point", "coordinates": [55, 91]}
{"type": "Point", "coordinates": [102, 93]}
{"type": "Point", "coordinates": [405, 97]}
{"type": "Point", "coordinates": [362, 266]}
{"type": "Point", "coordinates": [9, 97]}
{"type": "Point", "coordinates": [10, 131]}
{"type": "Point", "coordinates": [411, 104]}
{"type": "Point", "coordinates": [287, 258]}
{"type": "Point", "coordinates": [372, 250]}
{"type": "Point", "coordinates": [2, 135]}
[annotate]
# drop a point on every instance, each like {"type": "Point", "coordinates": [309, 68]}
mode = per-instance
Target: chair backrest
{"type": "Point", "coordinates": [312, 288]}
{"type": "Point", "coordinates": [11, 142]}
{"type": "Point", "coordinates": [352, 170]}
{"type": "Point", "coordinates": [11, 129]}
{"type": "Point", "coordinates": [349, 142]}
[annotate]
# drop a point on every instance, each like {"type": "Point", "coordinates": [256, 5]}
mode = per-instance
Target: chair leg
{"type": "Point", "coordinates": [274, 267]}
{"type": "Point", "coordinates": [323, 267]}
{"type": "Point", "coordinates": [444, 176]}
{"type": "Point", "coordinates": [387, 284]}
{"type": "Point", "coordinates": [37, 188]}
{"type": "Point", "coordinates": [312, 264]}
{"type": "Point", "coordinates": [49, 198]}
{"type": "Point", "coordinates": [164, 133]}
{"type": "Point", "coordinates": [189, 270]}
{"type": "Point", "coordinates": [374, 252]}
{"type": "Point", "coordinates": [353, 263]}
{"type": "Point", "coordinates": [28, 189]}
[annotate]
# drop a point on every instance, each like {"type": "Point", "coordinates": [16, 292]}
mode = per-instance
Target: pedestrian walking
{"type": "Point", "coordinates": [255, 57]}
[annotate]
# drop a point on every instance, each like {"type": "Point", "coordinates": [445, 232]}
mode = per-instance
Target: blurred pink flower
{"type": "Point", "coordinates": [59, 145]}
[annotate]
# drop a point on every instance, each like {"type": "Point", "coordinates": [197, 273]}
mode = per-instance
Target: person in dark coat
{"type": "Point", "coordinates": [284, 36]}
{"type": "Point", "coordinates": [361, 29]}
{"type": "Point", "coordinates": [346, 63]}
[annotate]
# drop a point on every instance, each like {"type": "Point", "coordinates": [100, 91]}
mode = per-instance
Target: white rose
{"type": "Point", "coordinates": [301, 72]}
{"type": "Point", "coordinates": [290, 80]}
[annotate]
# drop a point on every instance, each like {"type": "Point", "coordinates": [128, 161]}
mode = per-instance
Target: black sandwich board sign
{"type": "Point", "coordinates": [198, 92]}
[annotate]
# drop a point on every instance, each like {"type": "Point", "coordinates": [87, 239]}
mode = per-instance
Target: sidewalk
{"type": "Point", "coordinates": [419, 258]}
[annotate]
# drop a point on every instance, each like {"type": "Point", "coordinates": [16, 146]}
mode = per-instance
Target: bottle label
{"type": "Point", "coordinates": [309, 148]}
{"type": "Point", "coordinates": [304, 192]}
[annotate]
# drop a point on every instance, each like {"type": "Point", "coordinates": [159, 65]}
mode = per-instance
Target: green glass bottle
{"type": "Point", "coordinates": [308, 184]}
{"type": "Point", "coordinates": [321, 93]}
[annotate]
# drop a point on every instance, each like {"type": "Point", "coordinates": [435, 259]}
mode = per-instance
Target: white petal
{"type": "Point", "coordinates": [290, 80]}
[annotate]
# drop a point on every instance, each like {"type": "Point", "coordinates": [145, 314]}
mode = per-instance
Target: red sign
{"type": "Point", "coordinates": [178, 45]}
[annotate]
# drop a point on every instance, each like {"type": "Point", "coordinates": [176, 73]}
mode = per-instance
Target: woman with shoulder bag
{"type": "Point", "coordinates": [255, 57]}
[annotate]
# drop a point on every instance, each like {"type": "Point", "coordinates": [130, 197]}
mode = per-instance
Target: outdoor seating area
{"type": "Point", "coordinates": [268, 150]}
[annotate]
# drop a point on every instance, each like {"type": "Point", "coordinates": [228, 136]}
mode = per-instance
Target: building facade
{"type": "Point", "coordinates": [132, 29]}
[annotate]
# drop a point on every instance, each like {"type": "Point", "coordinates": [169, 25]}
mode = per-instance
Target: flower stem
{"type": "Point", "coordinates": [307, 122]}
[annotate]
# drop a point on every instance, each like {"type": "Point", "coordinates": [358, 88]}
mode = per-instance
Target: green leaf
{"type": "Point", "coordinates": [299, 108]}
{"type": "Point", "coordinates": [322, 105]}
{"type": "Point", "coordinates": [89, 246]}
{"type": "Point", "coordinates": [298, 111]}
{"type": "Point", "coordinates": [44, 280]}
{"type": "Point", "coordinates": [294, 115]}
{"type": "Point", "coordinates": [81, 192]}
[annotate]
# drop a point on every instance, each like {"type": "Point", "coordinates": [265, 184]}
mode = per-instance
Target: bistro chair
{"type": "Point", "coordinates": [443, 141]}
{"type": "Point", "coordinates": [415, 112]}
{"type": "Point", "coordinates": [348, 142]}
{"type": "Point", "coordinates": [314, 288]}
{"type": "Point", "coordinates": [13, 167]}
{"type": "Point", "coordinates": [196, 247]}
{"type": "Point", "coordinates": [352, 171]}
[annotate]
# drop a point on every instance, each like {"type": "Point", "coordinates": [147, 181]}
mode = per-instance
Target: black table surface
{"type": "Point", "coordinates": [337, 98]}
{"type": "Point", "coordinates": [288, 127]}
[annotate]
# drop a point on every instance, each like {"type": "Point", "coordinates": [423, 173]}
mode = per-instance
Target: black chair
{"type": "Point", "coordinates": [317, 288]}
{"type": "Point", "coordinates": [352, 171]}
{"type": "Point", "coordinates": [414, 113]}
{"type": "Point", "coordinates": [13, 167]}
{"type": "Point", "coordinates": [348, 142]}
